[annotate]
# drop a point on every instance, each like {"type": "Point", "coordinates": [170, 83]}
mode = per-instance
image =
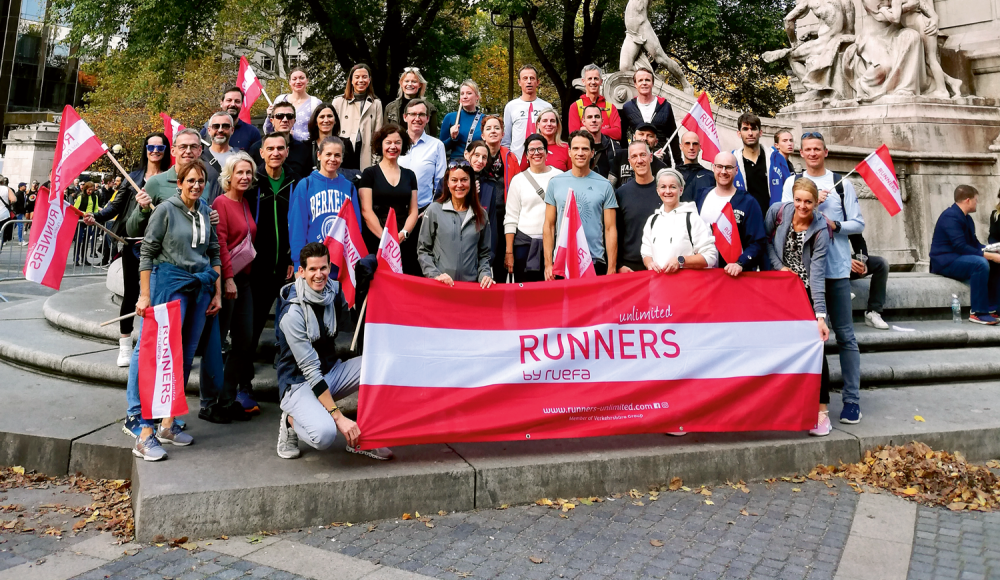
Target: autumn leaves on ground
{"type": "Point", "coordinates": [913, 471]}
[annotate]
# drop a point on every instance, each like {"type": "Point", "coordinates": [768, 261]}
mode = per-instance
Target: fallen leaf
{"type": "Point", "coordinates": [744, 513]}
{"type": "Point", "coordinates": [254, 539]}
{"type": "Point", "coordinates": [709, 502]}
{"type": "Point", "coordinates": [635, 494]}
{"type": "Point", "coordinates": [918, 419]}
{"type": "Point", "coordinates": [188, 546]}
{"type": "Point", "coordinates": [79, 525]}
{"type": "Point", "coordinates": [423, 519]}
{"type": "Point", "coordinates": [585, 501]}
{"type": "Point", "coordinates": [428, 524]}
{"type": "Point", "coordinates": [442, 513]}
{"type": "Point", "coordinates": [536, 559]}
{"type": "Point", "coordinates": [676, 483]}
{"type": "Point", "coordinates": [544, 501]}
{"type": "Point", "coordinates": [910, 491]}
{"type": "Point", "coordinates": [567, 506]}
{"type": "Point", "coordinates": [638, 503]}
{"type": "Point", "coordinates": [93, 518]}
{"type": "Point", "coordinates": [503, 506]}
{"type": "Point", "coordinates": [407, 517]}
{"type": "Point", "coordinates": [53, 532]}
{"type": "Point", "coordinates": [416, 515]}
{"type": "Point", "coordinates": [685, 488]}
{"type": "Point", "coordinates": [705, 492]}
{"type": "Point", "coordinates": [223, 537]}
{"type": "Point", "coordinates": [656, 543]}
{"type": "Point", "coordinates": [796, 490]}
{"type": "Point", "coordinates": [17, 469]}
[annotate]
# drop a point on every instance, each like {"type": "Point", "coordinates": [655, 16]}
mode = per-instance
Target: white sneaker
{"type": "Point", "coordinates": [874, 319]}
{"type": "Point", "coordinates": [124, 351]}
{"type": "Point", "coordinates": [23, 244]}
{"type": "Point", "coordinates": [381, 453]}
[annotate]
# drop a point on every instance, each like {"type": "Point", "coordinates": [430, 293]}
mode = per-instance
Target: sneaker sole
{"type": "Point", "coordinates": [849, 422]}
{"type": "Point", "coordinates": [367, 454]}
{"type": "Point", "coordinates": [146, 457]}
{"type": "Point", "coordinates": [289, 455]}
{"type": "Point", "coordinates": [983, 322]}
{"type": "Point", "coordinates": [163, 440]}
{"type": "Point", "coordinates": [126, 431]}
{"type": "Point", "coordinates": [872, 324]}
{"type": "Point", "coordinates": [811, 434]}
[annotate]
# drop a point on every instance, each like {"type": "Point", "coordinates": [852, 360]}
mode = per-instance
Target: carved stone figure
{"type": "Point", "coordinates": [887, 59]}
{"type": "Point", "coordinates": [816, 60]}
{"type": "Point", "coordinates": [640, 40]}
{"type": "Point", "coordinates": [920, 15]}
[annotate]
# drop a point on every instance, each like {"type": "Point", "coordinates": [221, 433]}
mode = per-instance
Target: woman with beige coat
{"type": "Point", "coordinates": [360, 114]}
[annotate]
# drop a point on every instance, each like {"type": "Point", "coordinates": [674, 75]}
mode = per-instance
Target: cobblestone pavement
{"type": "Point", "coordinates": [955, 545]}
{"type": "Point", "coordinates": [17, 549]}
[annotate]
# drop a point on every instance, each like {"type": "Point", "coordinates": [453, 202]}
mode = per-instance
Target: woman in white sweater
{"type": "Point", "coordinates": [522, 224]}
{"type": "Point", "coordinates": [674, 237]}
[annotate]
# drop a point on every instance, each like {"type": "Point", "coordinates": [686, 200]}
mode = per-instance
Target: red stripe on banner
{"type": "Point", "coordinates": [685, 297]}
{"type": "Point", "coordinates": [390, 415]}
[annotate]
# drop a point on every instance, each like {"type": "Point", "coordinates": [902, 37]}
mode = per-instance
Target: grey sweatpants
{"type": "Point", "coordinates": [311, 421]}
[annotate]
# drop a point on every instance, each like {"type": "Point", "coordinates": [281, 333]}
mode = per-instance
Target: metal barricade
{"type": "Point", "coordinates": [90, 255]}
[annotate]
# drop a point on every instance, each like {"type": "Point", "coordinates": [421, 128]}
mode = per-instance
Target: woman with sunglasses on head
{"type": "Point", "coordinates": [359, 114]}
{"type": "Point", "coordinates": [154, 159]}
{"type": "Point", "coordinates": [412, 85]}
{"type": "Point", "coordinates": [303, 102]}
{"type": "Point", "coordinates": [477, 155]}
{"type": "Point", "coordinates": [454, 238]}
{"type": "Point", "coordinates": [550, 126]}
{"type": "Point", "coordinates": [384, 186]}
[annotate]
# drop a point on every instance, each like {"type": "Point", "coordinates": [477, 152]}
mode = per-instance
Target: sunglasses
{"type": "Point", "coordinates": [813, 135]}
{"type": "Point", "coordinates": [411, 69]}
{"type": "Point", "coordinates": [459, 163]}
{"type": "Point", "coordinates": [283, 116]}
{"type": "Point", "coordinates": [217, 126]}
{"type": "Point", "coordinates": [156, 148]}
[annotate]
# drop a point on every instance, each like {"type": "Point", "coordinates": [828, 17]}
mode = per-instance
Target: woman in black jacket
{"type": "Point", "coordinates": [154, 159]}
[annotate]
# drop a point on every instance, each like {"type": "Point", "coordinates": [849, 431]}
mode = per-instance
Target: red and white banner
{"type": "Point", "coordinates": [346, 248]}
{"type": "Point", "coordinates": [51, 239]}
{"type": "Point", "coordinates": [633, 353]}
{"type": "Point", "coordinates": [701, 121]}
{"type": "Point", "coordinates": [573, 259]}
{"type": "Point", "coordinates": [727, 237]}
{"type": "Point", "coordinates": [880, 175]}
{"type": "Point", "coordinates": [252, 88]}
{"type": "Point", "coordinates": [171, 128]}
{"type": "Point", "coordinates": [389, 254]}
{"type": "Point", "coordinates": [76, 149]}
{"type": "Point", "coordinates": [161, 362]}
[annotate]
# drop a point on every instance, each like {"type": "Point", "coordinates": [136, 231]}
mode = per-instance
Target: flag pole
{"type": "Point", "coordinates": [122, 170]}
{"type": "Point", "coordinates": [667, 144]}
{"type": "Point", "coordinates": [120, 318]}
{"type": "Point", "coordinates": [361, 317]}
{"type": "Point", "coordinates": [264, 92]}
{"type": "Point", "coordinates": [843, 178]}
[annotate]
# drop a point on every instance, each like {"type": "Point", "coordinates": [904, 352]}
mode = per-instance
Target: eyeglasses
{"type": "Point", "coordinates": [156, 148]}
{"type": "Point", "coordinates": [283, 116]}
{"type": "Point", "coordinates": [536, 150]}
{"type": "Point", "coordinates": [194, 181]}
{"type": "Point", "coordinates": [725, 167]}
{"type": "Point", "coordinates": [218, 126]}
{"type": "Point", "coordinates": [418, 115]}
{"type": "Point", "coordinates": [190, 147]}
{"type": "Point", "coordinates": [813, 135]}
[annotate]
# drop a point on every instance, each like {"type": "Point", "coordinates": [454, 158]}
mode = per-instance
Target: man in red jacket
{"type": "Point", "coordinates": [592, 80]}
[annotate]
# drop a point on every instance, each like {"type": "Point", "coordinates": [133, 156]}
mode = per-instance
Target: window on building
{"type": "Point", "coordinates": [294, 60]}
{"type": "Point", "coordinates": [267, 63]}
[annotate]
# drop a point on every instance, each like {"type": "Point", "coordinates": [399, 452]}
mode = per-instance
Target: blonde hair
{"type": "Point", "coordinates": [227, 171]}
{"type": "Point", "coordinates": [559, 125]}
{"type": "Point", "coordinates": [472, 85]}
{"type": "Point", "coordinates": [807, 185]}
{"type": "Point", "coordinates": [415, 72]}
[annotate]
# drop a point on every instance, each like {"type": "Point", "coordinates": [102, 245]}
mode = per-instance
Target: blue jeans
{"type": "Point", "coordinates": [20, 227]}
{"type": "Point", "coordinates": [841, 320]}
{"type": "Point", "coordinates": [194, 324]}
{"type": "Point", "coordinates": [981, 278]}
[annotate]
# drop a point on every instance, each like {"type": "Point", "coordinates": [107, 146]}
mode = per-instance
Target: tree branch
{"type": "Point", "coordinates": [528, 20]}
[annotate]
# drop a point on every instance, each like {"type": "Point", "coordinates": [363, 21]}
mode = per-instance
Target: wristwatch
{"type": "Point", "coordinates": [836, 227]}
{"type": "Point", "coordinates": [403, 234]}
{"type": "Point", "coordinates": [680, 261]}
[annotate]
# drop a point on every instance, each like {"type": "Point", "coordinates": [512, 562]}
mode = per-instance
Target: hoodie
{"type": "Point", "coordinates": [313, 210]}
{"type": "Point", "coordinates": [181, 237]}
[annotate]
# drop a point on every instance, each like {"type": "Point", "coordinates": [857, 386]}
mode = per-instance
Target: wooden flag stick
{"type": "Point", "coordinates": [361, 320]}
{"type": "Point", "coordinates": [122, 170]}
{"type": "Point", "coordinates": [117, 238]}
{"type": "Point", "coordinates": [842, 179]}
{"type": "Point", "coordinates": [264, 92]}
{"type": "Point", "coordinates": [119, 319]}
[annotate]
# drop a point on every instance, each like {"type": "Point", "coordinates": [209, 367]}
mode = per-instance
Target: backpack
{"type": "Point", "coordinates": [857, 240]}
{"type": "Point", "coordinates": [580, 106]}
{"type": "Point", "coordinates": [688, 222]}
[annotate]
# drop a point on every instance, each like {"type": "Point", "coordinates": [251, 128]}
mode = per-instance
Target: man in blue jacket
{"type": "Point", "coordinates": [749, 220]}
{"type": "Point", "coordinates": [760, 172]}
{"type": "Point", "coordinates": [957, 253]}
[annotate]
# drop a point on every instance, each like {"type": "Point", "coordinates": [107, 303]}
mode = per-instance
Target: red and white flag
{"type": "Point", "coordinates": [346, 248]}
{"type": "Point", "coordinates": [252, 88]}
{"type": "Point", "coordinates": [880, 175]}
{"type": "Point", "coordinates": [54, 222]}
{"type": "Point", "coordinates": [701, 121]}
{"type": "Point", "coordinates": [51, 239]}
{"type": "Point", "coordinates": [389, 254]}
{"type": "Point", "coordinates": [171, 128]}
{"type": "Point", "coordinates": [601, 356]}
{"type": "Point", "coordinates": [573, 259]}
{"type": "Point", "coordinates": [161, 362]}
{"type": "Point", "coordinates": [727, 236]}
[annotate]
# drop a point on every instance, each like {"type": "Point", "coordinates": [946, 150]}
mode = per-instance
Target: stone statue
{"type": "Point", "coordinates": [640, 40]}
{"type": "Point", "coordinates": [920, 15]}
{"type": "Point", "coordinates": [815, 60]}
{"type": "Point", "coordinates": [887, 59]}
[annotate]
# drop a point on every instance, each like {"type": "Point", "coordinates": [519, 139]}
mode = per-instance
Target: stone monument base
{"type": "Point", "coordinates": [936, 145]}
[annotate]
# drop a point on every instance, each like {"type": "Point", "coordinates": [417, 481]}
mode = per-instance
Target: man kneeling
{"type": "Point", "coordinates": [310, 376]}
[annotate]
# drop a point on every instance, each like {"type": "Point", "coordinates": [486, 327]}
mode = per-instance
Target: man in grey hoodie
{"type": "Point", "coordinates": [310, 376]}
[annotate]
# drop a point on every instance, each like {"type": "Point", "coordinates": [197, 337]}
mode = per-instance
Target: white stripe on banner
{"type": "Point", "coordinates": [78, 133]}
{"type": "Point", "coordinates": [44, 250]}
{"type": "Point", "coordinates": [445, 357]}
{"type": "Point", "coordinates": [163, 372]}
{"type": "Point", "coordinates": [885, 176]}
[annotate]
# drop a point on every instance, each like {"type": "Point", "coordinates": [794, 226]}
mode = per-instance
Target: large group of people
{"type": "Point", "coordinates": [236, 225]}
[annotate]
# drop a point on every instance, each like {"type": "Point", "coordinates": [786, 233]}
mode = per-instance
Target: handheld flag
{"type": "Point", "coordinates": [252, 88]}
{"type": "Point", "coordinates": [880, 175]}
{"type": "Point", "coordinates": [701, 121]}
{"type": "Point", "coordinates": [727, 237]}
{"type": "Point", "coordinates": [573, 258]}
{"type": "Point", "coordinates": [389, 254]}
{"type": "Point", "coordinates": [346, 248]}
{"type": "Point", "coordinates": [161, 362]}
{"type": "Point", "coordinates": [171, 128]}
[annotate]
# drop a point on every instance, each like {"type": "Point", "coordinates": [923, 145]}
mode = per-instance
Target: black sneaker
{"type": "Point", "coordinates": [215, 415]}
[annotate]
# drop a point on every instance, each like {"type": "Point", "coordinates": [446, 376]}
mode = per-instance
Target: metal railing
{"type": "Point", "coordinates": [90, 255]}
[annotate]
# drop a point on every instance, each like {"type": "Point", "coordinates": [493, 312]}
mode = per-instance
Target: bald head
{"type": "Point", "coordinates": [724, 168]}
{"type": "Point", "coordinates": [690, 146]}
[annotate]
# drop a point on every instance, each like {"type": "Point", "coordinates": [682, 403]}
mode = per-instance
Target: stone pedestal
{"type": "Point", "coordinates": [936, 145]}
{"type": "Point", "coordinates": [30, 152]}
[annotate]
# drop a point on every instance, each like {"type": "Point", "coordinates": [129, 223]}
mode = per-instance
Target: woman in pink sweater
{"type": "Point", "coordinates": [236, 231]}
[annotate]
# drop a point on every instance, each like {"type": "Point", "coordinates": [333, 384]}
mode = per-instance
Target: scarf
{"type": "Point", "coordinates": [305, 297]}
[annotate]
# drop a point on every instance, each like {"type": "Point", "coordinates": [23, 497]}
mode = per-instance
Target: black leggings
{"type": "Point", "coordinates": [520, 262]}
{"type": "Point", "coordinates": [236, 319]}
{"type": "Point", "coordinates": [824, 384]}
{"type": "Point", "coordinates": [264, 286]}
{"type": "Point", "coordinates": [130, 275]}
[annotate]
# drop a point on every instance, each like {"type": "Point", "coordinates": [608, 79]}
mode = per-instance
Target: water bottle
{"type": "Point", "coordinates": [956, 309]}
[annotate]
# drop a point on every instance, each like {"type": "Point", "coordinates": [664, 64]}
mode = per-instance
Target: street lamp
{"type": "Point", "coordinates": [510, 48]}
